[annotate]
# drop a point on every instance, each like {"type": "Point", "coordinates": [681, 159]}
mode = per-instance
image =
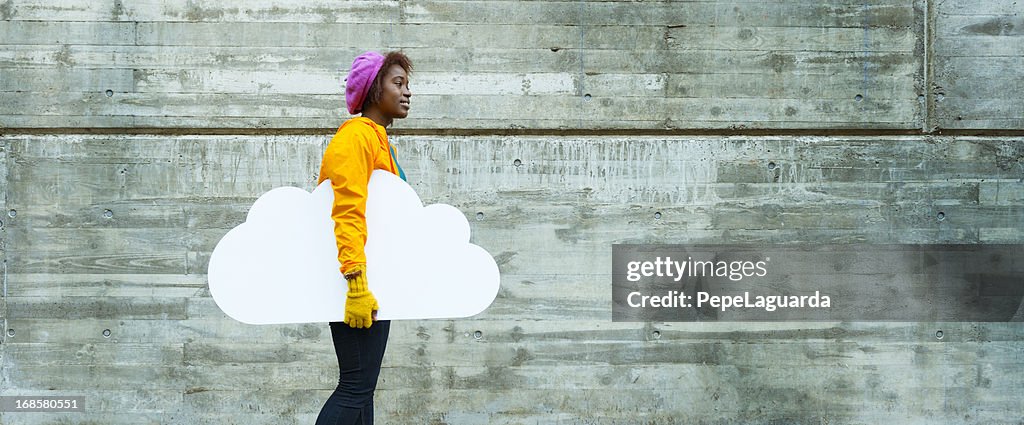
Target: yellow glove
{"type": "Point", "coordinates": [360, 305]}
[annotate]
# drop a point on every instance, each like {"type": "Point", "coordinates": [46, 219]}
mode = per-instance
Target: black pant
{"type": "Point", "coordinates": [360, 352]}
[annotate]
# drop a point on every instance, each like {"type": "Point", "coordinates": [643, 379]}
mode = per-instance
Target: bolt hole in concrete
{"type": "Point", "coordinates": [479, 216]}
{"type": "Point", "coordinates": [938, 334]}
{"type": "Point", "coordinates": [941, 216]}
{"type": "Point", "coordinates": [110, 93]}
{"type": "Point", "coordinates": [771, 165]}
{"type": "Point", "coordinates": [586, 97]}
{"type": "Point", "coordinates": [517, 163]}
{"type": "Point", "coordinates": [858, 98]}
{"type": "Point", "coordinates": [12, 213]}
{"type": "Point", "coordinates": [108, 214]}
{"type": "Point", "coordinates": [10, 333]}
{"type": "Point", "coordinates": [657, 215]}
{"type": "Point", "coordinates": [656, 334]}
{"type": "Point", "coordinates": [106, 333]}
{"type": "Point", "coordinates": [478, 335]}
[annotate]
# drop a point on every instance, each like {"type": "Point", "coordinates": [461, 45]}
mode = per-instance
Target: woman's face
{"type": "Point", "coordinates": [395, 94]}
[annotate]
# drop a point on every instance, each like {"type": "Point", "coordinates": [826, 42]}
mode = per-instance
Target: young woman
{"type": "Point", "coordinates": [378, 87]}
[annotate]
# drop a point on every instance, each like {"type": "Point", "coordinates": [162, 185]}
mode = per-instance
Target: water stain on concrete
{"type": "Point", "coordinates": [7, 10]}
{"type": "Point", "coordinates": [1002, 25]}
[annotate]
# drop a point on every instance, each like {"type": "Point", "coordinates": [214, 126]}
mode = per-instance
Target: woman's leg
{"type": "Point", "coordinates": [360, 352]}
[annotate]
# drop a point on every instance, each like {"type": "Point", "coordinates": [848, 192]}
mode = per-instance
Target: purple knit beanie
{"type": "Point", "coordinates": [360, 78]}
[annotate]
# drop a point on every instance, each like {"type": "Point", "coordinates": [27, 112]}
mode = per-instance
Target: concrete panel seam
{"type": "Point", "coordinates": [277, 131]}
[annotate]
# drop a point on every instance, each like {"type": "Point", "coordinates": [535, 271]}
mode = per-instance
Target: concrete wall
{"type": "Point", "coordinates": [614, 110]}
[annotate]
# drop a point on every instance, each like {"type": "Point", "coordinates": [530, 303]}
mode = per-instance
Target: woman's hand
{"type": "Point", "coordinates": [360, 306]}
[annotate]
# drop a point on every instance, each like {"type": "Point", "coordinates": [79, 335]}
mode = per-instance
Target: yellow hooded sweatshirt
{"type": "Point", "coordinates": [359, 147]}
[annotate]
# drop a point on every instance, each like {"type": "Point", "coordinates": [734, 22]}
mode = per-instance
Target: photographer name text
{"type": "Point", "coordinates": [679, 299]}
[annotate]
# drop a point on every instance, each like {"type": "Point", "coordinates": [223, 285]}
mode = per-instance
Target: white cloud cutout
{"type": "Point", "coordinates": [281, 265]}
